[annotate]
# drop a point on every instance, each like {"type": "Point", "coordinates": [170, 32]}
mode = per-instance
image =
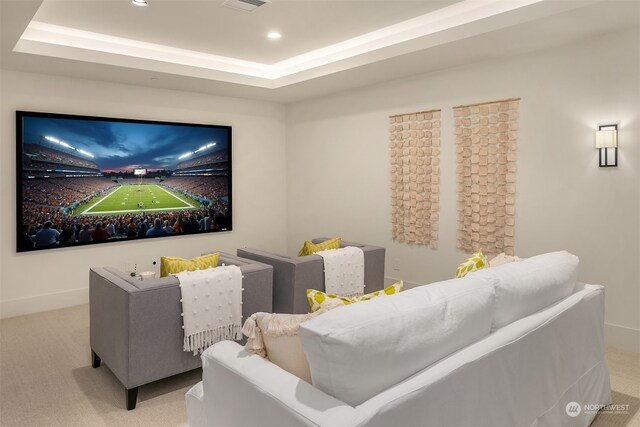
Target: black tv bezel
{"type": "Point", "coordinates": [21, 114]}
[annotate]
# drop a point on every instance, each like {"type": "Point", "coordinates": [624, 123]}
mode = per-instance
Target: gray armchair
{"type": "Point", "coordinates": [136, 326]}
{"type": "Point", "coordinates": [292, 276]}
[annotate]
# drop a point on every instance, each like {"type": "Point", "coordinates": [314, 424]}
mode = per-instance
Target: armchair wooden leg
{"type": "Point", "coordinates": [95, 360]}
{"type": "Point", "coordinates": [132, 398]}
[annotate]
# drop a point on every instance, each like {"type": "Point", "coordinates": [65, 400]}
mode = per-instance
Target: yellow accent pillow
{"type": "Point", "coordinates": [174, 265]}
{"type": "Point", "coordinates": [310, 248]}
{"type": "Point", "coordinates": [475, 262]}
{"type": "Point", "coordinates": [319, 300]}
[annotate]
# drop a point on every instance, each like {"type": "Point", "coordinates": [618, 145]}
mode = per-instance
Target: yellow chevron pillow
{"type": "Point", "coordinates": [310, 248]}
{"type": "Point", "coordinates": [319, 300]}
{"type": "Point", "coordinates": [475, 262]}
{"type": "Point", "coordinates": [174, 265]}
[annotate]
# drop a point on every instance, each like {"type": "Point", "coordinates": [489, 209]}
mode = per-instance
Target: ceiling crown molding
{"type": "Point", "coordinates": [454, 22]}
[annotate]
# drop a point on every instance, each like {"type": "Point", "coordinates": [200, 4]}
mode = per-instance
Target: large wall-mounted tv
{"type": "Point", "coordinates": [86, 180]}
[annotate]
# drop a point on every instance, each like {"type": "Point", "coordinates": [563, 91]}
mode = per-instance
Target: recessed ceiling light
{"type": "Point", "coordinates": [274, 35]}
{"type": "Point", "coordinates": [140, 3]}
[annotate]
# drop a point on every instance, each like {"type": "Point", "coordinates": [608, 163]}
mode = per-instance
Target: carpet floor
{"type": "Point", "coordinates": [46, 379]}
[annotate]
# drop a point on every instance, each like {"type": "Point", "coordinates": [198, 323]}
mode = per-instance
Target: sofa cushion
{"type": "Point", "coordinates": [357, 351]}
{"type": "Point", "coordinates": [174, 265]}
{"type": "Point", "coordinates": [524, 287]}
{"type": "Point", "coordinates": [319, 300]}
{"type": "Point", "coordinates": [310, 248]}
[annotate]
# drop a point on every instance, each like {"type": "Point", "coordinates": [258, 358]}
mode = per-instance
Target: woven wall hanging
{"type": "Point", "coordinates": [486, 142]}
{"type": "Point", "coordinates": [415, 177]}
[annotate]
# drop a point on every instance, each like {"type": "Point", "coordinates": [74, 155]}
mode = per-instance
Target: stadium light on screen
{"type": "Point", "coordinates": [64, 144]}
{"type": "Point", "coordinates": [86, 153]}
{"type": "Point", "coordinates": [204, 147]}
{"type": "Point", "coordinates": [190, 153]}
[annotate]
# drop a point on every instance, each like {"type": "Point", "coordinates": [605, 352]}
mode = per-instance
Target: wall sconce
{"type": "Point", "coordinates": [607, 145]}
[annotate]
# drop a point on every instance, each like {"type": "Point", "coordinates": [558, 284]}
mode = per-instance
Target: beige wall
{"type": "Point", "coordinates": [334, 167]}
{"type": "Point", "coordinates": [45, 280]}
{"type": "Point", "coordinates": [338, 165]}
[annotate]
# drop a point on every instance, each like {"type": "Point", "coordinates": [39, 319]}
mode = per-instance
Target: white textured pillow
{"type": "Point", "coordinates": [357, 351]}
{"type": "Point", "coordinates": [286, 352]}
{"type": "Point", "coordinates": [502, 259]}
{"type": "Point", "coordinates": [275, 336]}
{"type": "Point", "coordinates": [524, 287]}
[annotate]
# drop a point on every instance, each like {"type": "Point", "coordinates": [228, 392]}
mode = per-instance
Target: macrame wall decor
{"type": "Point", "coordinates": [486, 141]}
{"type": "Point", "coordinates": [415, 177]}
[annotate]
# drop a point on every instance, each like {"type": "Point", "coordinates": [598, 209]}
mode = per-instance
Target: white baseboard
{"type": "Point", "coordinates": [46, 302]}
{"type": "Point", "coordinates": [622, 337]}
{"type": "Point", "coordinates": [618, 336]}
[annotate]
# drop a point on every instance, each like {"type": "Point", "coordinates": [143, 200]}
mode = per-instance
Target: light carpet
{"type": "Point", "coordinates": [46, 379]}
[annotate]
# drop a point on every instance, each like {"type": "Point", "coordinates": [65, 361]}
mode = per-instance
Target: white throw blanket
{"type": "Point", "coordinates": [343, 271]}
{"type": "Point", "coordinates": [211, 306]}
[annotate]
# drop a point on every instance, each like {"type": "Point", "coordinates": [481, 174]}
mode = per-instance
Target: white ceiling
{"type": "Point", "coordinates": [327, 45]}
{"type": "Point", "coordinates": [210, 27]}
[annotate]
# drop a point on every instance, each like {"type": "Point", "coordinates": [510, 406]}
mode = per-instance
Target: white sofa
{"type": "Point", "coordinates": [525, 373]}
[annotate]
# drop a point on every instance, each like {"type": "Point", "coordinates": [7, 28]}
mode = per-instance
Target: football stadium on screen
{"type": "Point", "coordinates": [88, 180]}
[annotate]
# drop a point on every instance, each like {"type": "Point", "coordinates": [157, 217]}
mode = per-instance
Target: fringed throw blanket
{"type": "Point", "coordinates": [211, 306]}
{"type": "Point", "coordinates": [343, 271]}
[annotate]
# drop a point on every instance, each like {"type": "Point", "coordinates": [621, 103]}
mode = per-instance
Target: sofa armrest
{"type": "Point", "coordinates": [230, 259]}
{"type": "Point", "coordinates": [257, 281]}
{"type": "Point", "coordinates": [240, 388]}
{"type": "Point", "coordinates": [291, 278]}
{"type": "Point", "coordinates": [258, 288]}
{"type": "Point", "coordinates": [109, 298]}
{"type": "Point", "coordinates": [373, 263]}
{"type": "Point", "coordinates": [254, 254]}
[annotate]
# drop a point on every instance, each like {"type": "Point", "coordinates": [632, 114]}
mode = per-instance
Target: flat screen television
{"type": "Point", "coordinates": [85, 180]}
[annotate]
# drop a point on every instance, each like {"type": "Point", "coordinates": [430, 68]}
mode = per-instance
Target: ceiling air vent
{"type": "Point", "coordinates": [246, 5]}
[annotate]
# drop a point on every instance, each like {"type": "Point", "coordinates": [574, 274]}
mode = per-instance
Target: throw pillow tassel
{"type": "Point", "coordinates": [255, 343]}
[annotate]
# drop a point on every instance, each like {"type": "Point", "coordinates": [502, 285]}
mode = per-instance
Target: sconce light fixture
{"type": "Point", "coordinates": [607, 145]}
